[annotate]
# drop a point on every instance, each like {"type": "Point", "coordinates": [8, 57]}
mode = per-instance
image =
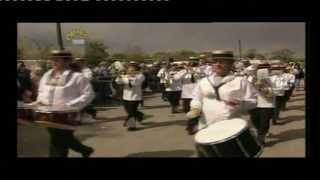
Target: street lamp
{"type": "Point", "coordinates": [59, 36]}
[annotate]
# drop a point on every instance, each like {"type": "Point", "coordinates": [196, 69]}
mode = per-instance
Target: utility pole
{"type": "Point", "coordinates": [240, 55]}
{"type": "Point", "coordinates": [59, 36]}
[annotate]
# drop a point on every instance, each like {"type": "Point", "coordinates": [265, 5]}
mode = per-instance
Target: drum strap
{"type": "Point", "coordinates": [216, 88]}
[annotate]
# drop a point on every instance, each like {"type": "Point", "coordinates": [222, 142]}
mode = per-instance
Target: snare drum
{"type": "Point", "coordinates": [25, 112]}
{"type": "Point", "coordinates": [229, 138]}
{"type": "Point", "coordinates": [57, 117]}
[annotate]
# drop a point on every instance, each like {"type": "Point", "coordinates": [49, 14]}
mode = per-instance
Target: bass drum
{"type": "Point", "coordinates": [228, 138]}
{"type": "Point", "coordinates": [56, 117]}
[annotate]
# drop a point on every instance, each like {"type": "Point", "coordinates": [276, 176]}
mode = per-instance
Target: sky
{"type": "Point", "coordinates": [153, 37]}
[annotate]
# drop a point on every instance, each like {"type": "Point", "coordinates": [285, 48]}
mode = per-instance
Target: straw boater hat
{"type": "Point", "coordinates": [60, 54]}
{"type": "Point", "coordinates": [192, 58]}
{"type": "Point", "coordinates": [202, 56]}
{"type": "Point", "coordinates": [222, 55]}
{"type": "Point", "coordinates": [80, 59]}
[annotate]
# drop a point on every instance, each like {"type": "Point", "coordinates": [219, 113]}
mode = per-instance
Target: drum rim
{"type": "Point", "coordinates": [55, 112]}
{"type": "Point", "coordinates": [227, 139]}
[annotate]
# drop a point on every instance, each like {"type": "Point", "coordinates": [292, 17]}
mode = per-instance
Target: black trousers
{"type": "Point", "coordinates": [186, 104]}
{"type": "Point", "coordinates": [63, 140]}
{"type": "Point", "coordinates": [287, 95]}
{"type": "Point", "coordinates": [260, 118]}
{"type": "Point", "coordinates": [131, 108]}
{"type": "Point", "coordinates": [90, 110]}
{"type": "Point", "coordinates": [174, 98]}
{"type": "Point", "coordinates": [163, 90]}
{"type": "Point", "coordinates": [280, 100]}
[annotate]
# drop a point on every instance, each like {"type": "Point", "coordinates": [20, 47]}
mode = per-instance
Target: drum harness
{"type": "Point", "coordinates": [192, 123]}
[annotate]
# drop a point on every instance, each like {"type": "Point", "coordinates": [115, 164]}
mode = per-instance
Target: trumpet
{"type": "Point", "coordinates": [169, 79]}
{"type": "Point", "coordinates": [265, 88]}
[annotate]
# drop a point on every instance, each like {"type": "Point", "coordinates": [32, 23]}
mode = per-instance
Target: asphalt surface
{"type": "Point", "coordinates": [162, 134]}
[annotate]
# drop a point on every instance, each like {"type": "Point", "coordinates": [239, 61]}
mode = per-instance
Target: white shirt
{"type": "Point", "coordinates": [133, 93]}
{"type": "Point", "coordinates": [76, 92]}
{"type": "Point", "coordinates": [187, 85]}
{"type": "Point", "coordinates": [204, 98]}
{"type": "Point", "coordinates": [266, 102]}
{"type": "Point", "coordinates": [290, 78]}
{"type": "Point", "coordinates": [87, 73]}
{"type": "Point", "coordinates": [204, 70]}
{"type": "Point", "coordinates": [161, 74]}
{"type": "Point", "coordinates": [175, 83]}
{"type": "Point", "coordinates": [279, 84]}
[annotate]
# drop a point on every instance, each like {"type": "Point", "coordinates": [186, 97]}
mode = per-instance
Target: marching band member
{"type": "Point", "coordinates": [289, 89]}
{"type": "Point", "coordinates": [263, 113]}
{"type": "Point", "coordinates": [189, 78]}
{"type": "Point", "coordinates": [62, 87]}
{"type": "Point", "coordinates": [87, 73]}
{"type": "Point", "coordinates": [279, 85]}
{"type": "Point", "coordinates": [220, 96]}
{"type": "Point", "coordinates": [132, 94]}
{"type": "Point", "coordinates": [173, 87]}
{"type": "Point", "coordinates": [161, 75]}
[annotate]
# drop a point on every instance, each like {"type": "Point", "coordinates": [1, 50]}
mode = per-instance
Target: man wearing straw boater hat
{"type": "Point", "coordinates": [221, 95]}
{"type": "Point", "coordinates": [87, 73]}
{"type": "Point", "coordinates": [62, 88]}
{"type": "Point", "coordinates": [189, 78]}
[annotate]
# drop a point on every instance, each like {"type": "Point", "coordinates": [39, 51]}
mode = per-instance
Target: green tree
{"type": "Point", "coordinates": [161, 55]}
{"type": "Point", "coordinates": [184, 54]}
{"type": "Point", "coordinates": [121, 56]}
{"type": "Point", "coordinates": [283, 54]}
{"type": "Point", "coordinates": [95, 52]}
{"type": "Point", "coordinates": [250, 53]}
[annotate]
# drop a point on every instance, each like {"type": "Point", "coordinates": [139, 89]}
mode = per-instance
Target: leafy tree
{"type": "Point", "coordinates": [95, 52]}
{"type": "Point", "coordinates": [184, 54]}
{"type": "Point", "coordinates": [161, 55]}
{"type": "Point", "coordinates": [250, 53]}
{"type": "Point", "coordinates": [283, 54]}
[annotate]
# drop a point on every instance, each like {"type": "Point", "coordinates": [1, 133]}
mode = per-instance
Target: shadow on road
{"type": "Point", "coordinates": [105, 108]}
{"type": "Point", "coordinates": [297, 107]}
{"type": "Point", "coordinates": [161, 124]}
{"type": "Point", "coordinates": [289, 119]}
{"type": "Point", "coordinates": [174, 153]}
{"type": "Point", "coordinates": [298, 94]}
{"type": "Point", "coordinates": [296, 99]}
{"type": "Point", "coordinates": [105, 119]}
{"type": "Point", "coordinates": [155, 107]}
{"type": "Point", "coordinates": [286, 136]}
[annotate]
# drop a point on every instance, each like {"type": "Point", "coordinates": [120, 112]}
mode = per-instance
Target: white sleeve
{"type": "Point", "coordinates": [41, 90]}
{"type": "Point", "coordinates": [86, 91]}
{"type": "Point", "coordinates": [197, 96]}
{"type": "Point", "coordinates": [120, 80]}
{"type": "Point", "coordinates": [160, 73]}
{"type": "Point", "coordinates": [138, 80]}
{"type": "Point", "coordinates": [293, 79]}
{"type": "Point", "coordinates": [250, 95]}
{"type": "Point", "coordinates": [89, 74]}
{"type": "Point", "coordinates": [180, 75]}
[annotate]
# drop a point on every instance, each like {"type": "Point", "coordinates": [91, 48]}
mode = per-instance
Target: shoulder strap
{"type": "Point", "coordinates": [216, 88]}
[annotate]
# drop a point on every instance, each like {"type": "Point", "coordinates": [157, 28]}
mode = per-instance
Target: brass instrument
{"type": "Point", "coordinates": [262, 84]}
{"type": "Point", "coordinates": [169, 77]}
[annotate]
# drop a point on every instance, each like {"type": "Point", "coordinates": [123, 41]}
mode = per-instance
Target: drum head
{"type": "Point", "coordinates": [220, 131]}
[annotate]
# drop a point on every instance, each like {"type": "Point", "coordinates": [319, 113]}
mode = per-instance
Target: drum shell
{"type": "Point", "coordinates": [68, 118]}
{"type": "Point", "coordinates": [244, 144]}
{"type": "Point", "coordinates": [26, 114]}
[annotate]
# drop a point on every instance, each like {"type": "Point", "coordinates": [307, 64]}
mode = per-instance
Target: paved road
{"type": "Point", "coordinates": [162, 134]}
